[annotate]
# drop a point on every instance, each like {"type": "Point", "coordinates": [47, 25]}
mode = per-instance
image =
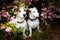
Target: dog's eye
{"type": "Point", "coordinates": [33, 11]}
{"type": "Point", "coordinates": [19, 11]}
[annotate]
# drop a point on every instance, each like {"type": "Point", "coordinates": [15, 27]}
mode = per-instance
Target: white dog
{"type": "Point", "coordinates": [33, 21]}
{"type": "Point", "coordinates": [20, 20]}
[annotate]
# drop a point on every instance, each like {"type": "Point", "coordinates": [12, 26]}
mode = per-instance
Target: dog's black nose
{"type": "Point", "coordinates": [24, 15]}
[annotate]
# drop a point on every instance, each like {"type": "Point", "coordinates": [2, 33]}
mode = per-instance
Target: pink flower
{"type": "Point", "coordinates": [50, 13]}
{"type": "Point", "coordinates": [57, 16]}
{"type": "Point", "coordinates": [44, 9]}
{"type": "Point", "coordinates": [30, 3]}
{"type": "Point", "coordinates": [15, 2]}
{"type": "Point", "coordinates": [15, 6]}
{"type": "Point", "coordinates": [51, 6]}
{"type": "Point", "coordinates": [49, 17]}
{"type": "Point", "coordinates": [8, 29]}
{"type": "Point", "coordinates": [5, 14]}
{"type": "Point", "coordinates": [13, 19]}
{"type": "Point", "coordinates": [2, 27]}
{"type": "Point", "coordinates": [0, 17]}
{"type": "Point", "coordinates": [44, 15]}
{"type": "Point", "coordinates": [59, 9]}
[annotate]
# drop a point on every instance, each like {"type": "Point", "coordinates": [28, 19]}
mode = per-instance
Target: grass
{"type": "Point", "coordinates": [45, 35]}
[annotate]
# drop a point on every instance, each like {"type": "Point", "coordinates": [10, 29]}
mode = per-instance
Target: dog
{"type": "Point", "coordinates": [33, 21]}
{"type": "Point", "coordinates": [20, 20]}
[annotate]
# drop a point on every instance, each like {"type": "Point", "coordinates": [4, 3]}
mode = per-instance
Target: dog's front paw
{"type": "Point", "coordinates": [25, 36]}
{"type": "Point", "coordinates": [39, 31]}
{"type": "Point", "coordinates": [30, 35]}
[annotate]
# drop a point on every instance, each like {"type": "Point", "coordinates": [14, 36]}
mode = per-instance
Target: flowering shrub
{"type": "Point", "coordinates": [7, 28]}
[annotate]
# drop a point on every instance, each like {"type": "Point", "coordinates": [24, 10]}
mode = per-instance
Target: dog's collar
{"type": "Point", "coordinates": [33, 19]}
{"type": "Point", "coordinates": [20, 22]}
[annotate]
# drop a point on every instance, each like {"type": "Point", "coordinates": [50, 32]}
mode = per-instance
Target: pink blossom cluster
{"type": "Point", "coordinates": [48, 14]}
{"type": "Point", "coordinates": [13, 20]}
{"type": "Point", "coordinates": [6, 29]}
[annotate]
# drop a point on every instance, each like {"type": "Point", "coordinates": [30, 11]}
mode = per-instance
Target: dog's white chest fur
{"type": "Point", "coordinates": [34, 23]}
{"type": "Point", "coordinates": [23, 25]}
{"type": "Point", "coordinates": [20, 18]}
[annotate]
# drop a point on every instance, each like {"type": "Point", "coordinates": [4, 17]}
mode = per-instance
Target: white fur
{"type": "Point", "coordinates": [21, 18]}
{"type": "Point", "coordinates": [33, 24]}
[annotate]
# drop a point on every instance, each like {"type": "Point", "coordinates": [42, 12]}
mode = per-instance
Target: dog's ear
{"type": "Point", "coordinates": [29, 11]}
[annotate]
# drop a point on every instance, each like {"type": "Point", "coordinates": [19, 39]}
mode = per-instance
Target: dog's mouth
{"type": "Point", "coordinates": [20, 22]}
